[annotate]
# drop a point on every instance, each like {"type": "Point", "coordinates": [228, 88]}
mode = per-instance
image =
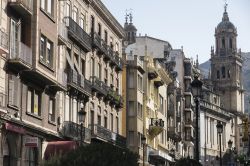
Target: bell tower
{"type": "Point", "coordinates": [226, 66]}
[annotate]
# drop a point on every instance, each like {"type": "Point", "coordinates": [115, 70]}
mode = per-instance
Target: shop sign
{"type": "Point", "coordinates": [14, 128]}
{"type": "Point", "coordinates": [31, 141]}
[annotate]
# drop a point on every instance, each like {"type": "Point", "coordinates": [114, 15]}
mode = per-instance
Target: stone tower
{"type": "Point", "coordinates": [226, 66]}
{"type": "Point", "coordinates": [130, 30]}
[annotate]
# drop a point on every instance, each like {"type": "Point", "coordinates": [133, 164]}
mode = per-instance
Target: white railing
{"type": "Point", "coordinates": [21, 52]}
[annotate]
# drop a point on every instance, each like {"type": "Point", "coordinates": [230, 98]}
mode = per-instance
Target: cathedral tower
{"type": "Point", "coordinates": [226, 66]}
{"type": "Point", "coordinates": [129, 29]}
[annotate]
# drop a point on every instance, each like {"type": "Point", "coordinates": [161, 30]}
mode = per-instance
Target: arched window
{"type": "Point", "coordinates": [223, 72]}
{"type": "Point", "coordinates": [223, 43]}
{"type": "Point", "coordinates": [230, 43]}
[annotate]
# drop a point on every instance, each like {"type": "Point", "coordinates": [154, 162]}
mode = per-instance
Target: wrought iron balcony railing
{"type": "Point", "coordinates": [72, 130]}
{"type": "Point", "coordinates": [22, 6]}
{"type": "Point", "coordinates": [72, 77]}
{"type": "Point", "coordinates": [76, 33]}
{"type": "Point", "coordinates": [105, 134]}
{"type": "Point", "coordinates": [21, 53]}
{"type": "Point", "coordinates": [98, 86]}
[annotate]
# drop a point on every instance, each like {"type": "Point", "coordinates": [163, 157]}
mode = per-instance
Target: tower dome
{"type": "Point", "coordinates": [225, 24]}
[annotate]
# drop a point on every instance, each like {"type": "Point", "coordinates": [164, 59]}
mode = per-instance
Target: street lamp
{"type": "Point", "coordinates": [143, 141]}
{"type": "Point", "coordinates": [196, 86]}
{"type": "Point", "coordinates": [220, 130]}
{"type": "Point", "coordinates": [82, 114]}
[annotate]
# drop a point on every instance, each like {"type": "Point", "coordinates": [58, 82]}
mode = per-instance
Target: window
{"type": "Point", "coordinates": [139, 110]}
{"type": "Point", "coordinates": [99, 70]}
{"type": "Point", "coordinates": [131, 108]}
{"type": "Point", "coordinates": [140, 83]}
{"type": "Point", "coordinates": [131, 137]}
{"type": "Point", "coordinates": [14, 38]}
{"type": "Point", "coordinates": [52, 110]}
{"type": "Point", "coordinates": [99, 29]}
{"type": "Point", "coordinates": [99, 118]}
{"type": "Point", "coordinates": [230, 43]}
{"type": "Point", "coordinates": [46, 51]}
{"type": "Point", "coordinates": [228, 73]}
{"type": "Point", "coordinates": [105, 122]}
{"type": "Point", "coordinates": [83, 67]}
{"type": "Point", "coordinates": [14, 91]}
{"type": "Point", "coordinates": [218, 74]}
{"type": "Point", "coordinates": [223, 43]}
{"type": "Point", "coordinates": [223, 72]}
{"type": "Point", "coordinates": [117, 125]}
{"type": "Point", "coordinates": [106, 76]}
{"type": "Point", "coordinates": [111, 43]}
{"type": "Point", "coordinates": [81, 22]}
{"type": "Point", "coordinates": [67, 10]}
{"type": "Point", "coordinates": [74, 14]}
{"type": "Point", "coordinates": [116, 47]}
{"type": "Point", "coordinates": [131, 80]}
{"type": "Point", "coordinates": [47, 6]}
{"type": "Point", "coordinates": [161, 104]}
{"type": "Point", "coordinates": [117, 84]}
{"type": "Point", "coordinates": [92, 67]}
{"type": "Point", "coordinates": [111, 122]}
{"type": "Point", "coordinates": [34, 102]}
{"type": "Point", "coordinates": [92, 24]}
{"type": "Point", "coordinates": [111, 80]}
{"type": "Point", "coordinates": [30, 156]}
{"type": "Point", "coordinates": [106, 36]}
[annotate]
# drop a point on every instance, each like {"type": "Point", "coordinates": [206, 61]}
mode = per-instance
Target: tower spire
{"type": "Point", "coordinates": [225, 15]}
{"type": "Point", "coordinates": [131, 18]}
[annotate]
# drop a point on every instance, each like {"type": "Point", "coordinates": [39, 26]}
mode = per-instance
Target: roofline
{"type": "Point", "coordinates": [108, 17]}
{"type": "Point", "coordinates": [154, 39]}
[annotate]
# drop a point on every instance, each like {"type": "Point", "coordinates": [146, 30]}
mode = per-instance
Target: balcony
{"type": "Point", "coordinates": [152, 74]}
{"type": "Point", "coordinates": [76, 33]}
{"type": "Point", "coordinates": [189, 122]}
{"type": "Point", "coordinates": [97, 43]}
{"type": "Point", "coordinates": [102, 133]}
{"type": "Point", "coordinates": [78, 85]}
{"type": "Point", "coordinates": [172, 134]}
{"type": "Point", "coordinates": [24, 7]}
{"type": "Point", "coordinates": [3, 42]}
{"type": "Point", "coordinates": [117, 61]}
{"type": "Point", "coordinates": [158, 82]}
{"type": "Point", "coordinates": [98, 86]}
{"type": "Point", "coordinates": [135, 62]}
{"type": "Point", "coordinates": [62, 34]}
{"type": "Point", "coordinates": [72, 131]}
{"type": "Point", "coordinates": [20, 57]}
{"type": "Point", "coordinates": [115, 98]}
{"type": "Point", "coordinates": [156, 127]}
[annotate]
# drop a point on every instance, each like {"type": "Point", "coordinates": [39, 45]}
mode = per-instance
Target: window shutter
{"type": "Point", "coordinates": [16, 93]}
{"type": "Point", "coordinates": [11, 92]}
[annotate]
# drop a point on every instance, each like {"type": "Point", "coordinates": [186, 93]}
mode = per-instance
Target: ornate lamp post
{"type": "Point", "coordinates": [143, 141]}
{"type": "Point", "coordinates": [220, 130]}
{"type": "Point", "coordinates": [196, 86]}
{"type": "Point", "coordinates": [82, 115]}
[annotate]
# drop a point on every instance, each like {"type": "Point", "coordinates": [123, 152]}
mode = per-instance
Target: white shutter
{"type": "Point", "coordinates": [11, 92]}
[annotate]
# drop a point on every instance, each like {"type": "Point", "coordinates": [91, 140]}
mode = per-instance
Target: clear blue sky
{"type": "Point", "coordinates": [187, 23]}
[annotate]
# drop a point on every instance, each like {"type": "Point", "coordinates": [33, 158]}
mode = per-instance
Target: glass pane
{"type": "Point", "coordinates": [29, 101]}
{"type": "Point", "coordinates": [49, 6]}
{"type": "Point", "coordinates": [36, 102]}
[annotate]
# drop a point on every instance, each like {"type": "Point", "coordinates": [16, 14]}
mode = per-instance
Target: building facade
{"type": "Point", "coordinates": [58, 58]}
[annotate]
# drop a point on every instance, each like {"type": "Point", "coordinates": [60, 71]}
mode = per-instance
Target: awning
{"type": "Point", "coordinates": [59, 148]}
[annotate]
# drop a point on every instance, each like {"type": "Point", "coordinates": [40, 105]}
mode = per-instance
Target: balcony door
{"type": "Point", "coordinates": [15, 29]}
